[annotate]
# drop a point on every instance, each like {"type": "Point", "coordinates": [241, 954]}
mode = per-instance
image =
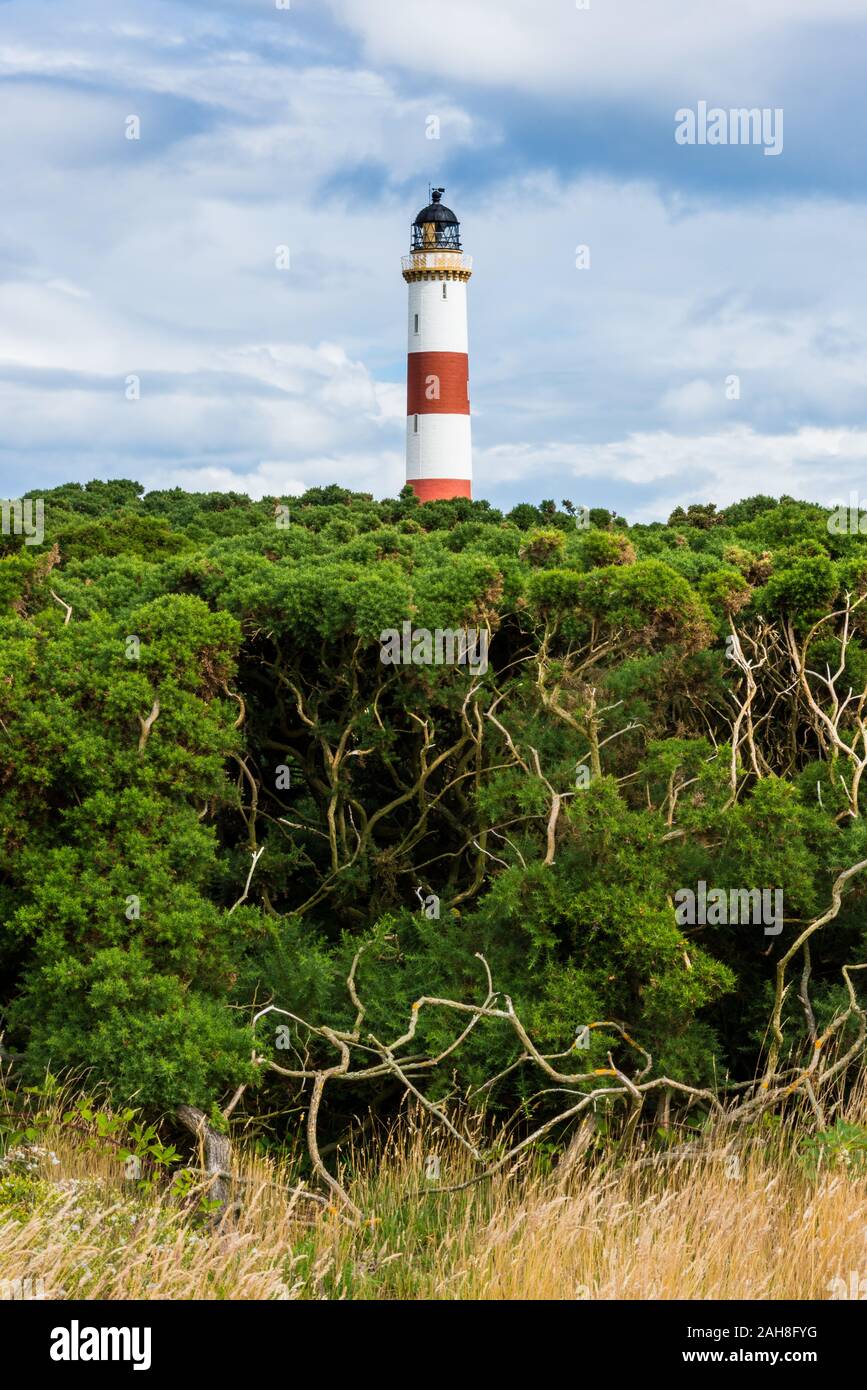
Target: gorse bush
{"type": "Point", "coordinates": [213, 791]}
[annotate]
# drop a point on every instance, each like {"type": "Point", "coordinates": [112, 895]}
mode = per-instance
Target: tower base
{"type": "Point", "coordinates": [439, 489]}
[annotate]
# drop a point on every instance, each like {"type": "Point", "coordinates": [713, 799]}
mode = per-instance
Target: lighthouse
{"type": "Point", "coordinates": [438, 448]}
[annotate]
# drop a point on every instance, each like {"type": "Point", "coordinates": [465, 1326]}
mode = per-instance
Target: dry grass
{"type": "Point", "coordinates": [605, 1229]}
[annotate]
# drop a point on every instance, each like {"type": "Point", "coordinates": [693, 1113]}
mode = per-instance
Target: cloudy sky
{"type": "Point", "coordinates": [308, 127]}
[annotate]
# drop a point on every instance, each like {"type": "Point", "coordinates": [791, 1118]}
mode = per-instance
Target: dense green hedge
{"type": "Point", "coordinates": [127, 844]}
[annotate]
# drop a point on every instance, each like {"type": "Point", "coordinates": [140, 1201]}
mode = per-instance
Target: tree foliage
{"type": "Point", "coordinates": [213, 790]}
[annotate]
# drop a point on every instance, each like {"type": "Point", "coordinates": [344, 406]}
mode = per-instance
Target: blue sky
{"type": "Point", "coordinates": [307, 127]}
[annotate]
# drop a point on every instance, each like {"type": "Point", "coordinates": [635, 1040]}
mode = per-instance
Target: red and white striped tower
{"type": "Point", "coordinates": [439, 461]}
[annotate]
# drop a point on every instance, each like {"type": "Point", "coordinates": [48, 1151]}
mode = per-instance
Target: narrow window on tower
{"type": "Point", "coordinates": [415, 424]}
{"type": "Point", "coordinates": [416, 323]}
{"type": "Point", "coordinates": [445, 290]}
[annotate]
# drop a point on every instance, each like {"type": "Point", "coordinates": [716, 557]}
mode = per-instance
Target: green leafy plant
{"type": "Point", "coordinates": [843, 1146]}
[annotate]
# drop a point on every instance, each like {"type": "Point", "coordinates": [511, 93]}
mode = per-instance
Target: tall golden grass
{"type": "Point", "coordinates": [758, 1224]}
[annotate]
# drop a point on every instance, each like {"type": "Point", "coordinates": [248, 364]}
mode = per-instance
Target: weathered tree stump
{"type": "Point", "coordinates": [216, 1153]}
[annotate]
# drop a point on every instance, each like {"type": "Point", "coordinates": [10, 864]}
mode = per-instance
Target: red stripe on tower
{"type": "Point", "coordinates": [438, 382]}
{"type": "Point", "coordinates": [433, 489]}
{"type": "Point", "coordinates": [438, 440]}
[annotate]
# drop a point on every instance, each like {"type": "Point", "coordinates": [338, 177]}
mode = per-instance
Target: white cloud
{"type": "Point", "coordinates": [616, 47]}
{"type": "Point", "coordinates": [818, 464]}
{"type": "Point", "coordinates": [380, 474]}
{"type": "Point", "coordinates": [64, 287]}
{"type": "Point", "coordinates": [285, 401]}
{"type": "Point", "coordinates": [694, 399]}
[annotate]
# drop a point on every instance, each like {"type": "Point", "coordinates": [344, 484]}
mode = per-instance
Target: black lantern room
{"type": "Point", "coordinates": [436, 228]}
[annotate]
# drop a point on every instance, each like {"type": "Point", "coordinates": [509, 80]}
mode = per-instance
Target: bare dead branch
{"type": "Point", "coordinates": [147, 724]}
{"type": "Point", "coordinates": [67, 606]}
